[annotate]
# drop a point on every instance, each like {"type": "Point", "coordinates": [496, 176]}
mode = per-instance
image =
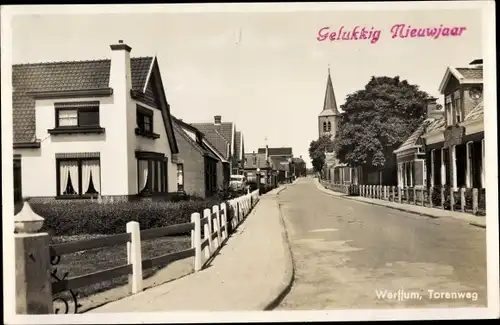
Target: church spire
{"type": "Point", "coordinates": [330, 104]}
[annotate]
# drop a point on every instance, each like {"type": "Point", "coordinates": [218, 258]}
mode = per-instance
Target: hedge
{"type": "Point", "coordinates": [75, 218]}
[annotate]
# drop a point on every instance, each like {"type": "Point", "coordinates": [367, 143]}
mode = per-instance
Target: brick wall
{"type": "Point", "coordinates": [220, 175]}
{"type": "Point", "coordinates": [194, 166]}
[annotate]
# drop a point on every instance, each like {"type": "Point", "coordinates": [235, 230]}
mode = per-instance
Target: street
{"type": "Point", "coordinates": [349, 254]}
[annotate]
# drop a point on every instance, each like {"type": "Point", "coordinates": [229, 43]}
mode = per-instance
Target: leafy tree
{"type": "Point", "coordinates": [376, 120]}
{"type": "Point", "coordinates": [317, 150]}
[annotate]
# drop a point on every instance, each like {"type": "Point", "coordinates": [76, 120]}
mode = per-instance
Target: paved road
{"type": "Point", "coordinates": [349, 254]}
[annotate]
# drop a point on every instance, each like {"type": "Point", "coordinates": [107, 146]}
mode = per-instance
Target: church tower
{"type": "Point", "coordinates": [329, 117]}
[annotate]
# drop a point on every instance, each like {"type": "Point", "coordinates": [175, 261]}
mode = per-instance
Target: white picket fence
{"type": "Point", "coordinates": [215, 225]}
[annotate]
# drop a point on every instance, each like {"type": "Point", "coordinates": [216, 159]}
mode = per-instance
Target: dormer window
{"type": "Point", "coordinates": [145, 123]}
{"type": "Point", "coordinates": [76, 117]}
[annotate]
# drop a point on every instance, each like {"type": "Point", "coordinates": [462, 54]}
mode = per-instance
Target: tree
{"type": "Point", "coordinates": [376, 120]}
{"type": "Point", "coordinates": [317, 150]}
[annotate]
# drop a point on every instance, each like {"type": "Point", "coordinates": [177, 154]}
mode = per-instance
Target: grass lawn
{"type": "Point", "coordinates": [95, 260]}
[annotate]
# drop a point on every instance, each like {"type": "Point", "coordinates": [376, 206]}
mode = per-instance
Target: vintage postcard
{"type": "Point", "coordinates": [249, 162]}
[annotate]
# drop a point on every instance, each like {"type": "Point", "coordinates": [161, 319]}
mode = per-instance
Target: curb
{"type": "Point", "coordinates": [281, 189]}
{"type": "Point", "coordinates": [289, 275]}
{"type": "Point", "coordinates": [324, 190]}
{"type": "Point", "coordinates": [477, 225]}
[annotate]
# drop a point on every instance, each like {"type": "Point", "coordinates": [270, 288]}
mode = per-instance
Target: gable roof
{"type": "Point", "coordinates": [200, 147]}
{"type": "Point", "coordinates": [277, 163]}
{"type": "Point", "coordinates": [255, 160]}
{"type": "Point", "coordinates": [412, 141]}
{"type": "Point", "coordinates": [284, 151]}
{"type": "Point", "coordinates": [330, 103]}
{"type": "Point", "coordinates": [73, 76]}
{"type": "Point", "coordinates": [219, 135]}
{"type": "Point", "coordinates": [298, 161]}
{"type": "Point", "coordinates": [465, 75]}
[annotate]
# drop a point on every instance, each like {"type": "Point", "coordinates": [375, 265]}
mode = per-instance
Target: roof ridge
{"type": "Point", "coordinates": [74, 61]}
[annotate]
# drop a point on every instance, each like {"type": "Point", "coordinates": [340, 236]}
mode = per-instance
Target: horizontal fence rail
{"type": "Point", "coordinates": [208, 234]}
{"type": "Point", "coordinates": [173, 230]}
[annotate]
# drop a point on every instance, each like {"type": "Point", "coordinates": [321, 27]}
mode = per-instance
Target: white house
{"type": "Point", "coordinates": [93, 127]}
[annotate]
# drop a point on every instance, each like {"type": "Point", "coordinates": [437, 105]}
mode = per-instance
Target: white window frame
{"type": "Point", "coordinates": [468, 164]}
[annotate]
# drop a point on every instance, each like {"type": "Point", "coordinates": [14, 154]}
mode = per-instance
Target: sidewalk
{"type": "Point", "coordinates": [424, 211]}
{"type": "Point", "coordinates": [249, 272]}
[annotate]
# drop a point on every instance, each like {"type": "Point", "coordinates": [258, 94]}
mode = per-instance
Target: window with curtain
{"type": "Point", "coordinates": [180, 177]}
{"type": "Point", "coordinates": [79, 177]}
{"type": "Point", "coordinates": [151, 176]}
{"type": "Point", "coordinates": [142, 174]}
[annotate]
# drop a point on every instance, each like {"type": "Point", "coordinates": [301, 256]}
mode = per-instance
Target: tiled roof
{"type": "Point", "coordinates": [298, 161]}
{"type": "Point", "coordinates": [58, 76]}
{"type": "Point", "coordinates": [253, 161]}
{"type": "Point", "coordinates": [179, 132]}
{"type": "Point", "coordinates": [437, 124]}
{"type": "Point", "coordinates": [285, 151]}
{"type": "Point", "coordinates": [471, 73]}
{"type": "Point", "coordinates": [477, 113]}
{"type": "Point", "coordinates": [237, 144]}
{"type": "Point", "coordinates": [412, 140]}
{"type": "Point", "coordinates": [277, 163]}
{"type": "Point", "coordinates": [218, 135]}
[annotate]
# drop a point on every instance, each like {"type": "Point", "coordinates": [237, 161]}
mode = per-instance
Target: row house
{"type": "Point", "coordinates": [227, 141]}
{"type": "Point", "coordinates": [93, 128]}
{"type": "Point", "coordinates": [198, 162]}
{"type": "Point", "coordinates": [281, 159]}
{"type": "Point", "coordinates": [448, 148]}
{"type": "Point", "coordinates": [299, 168]}
{"type": "Point", "coordinates": [411, 155]}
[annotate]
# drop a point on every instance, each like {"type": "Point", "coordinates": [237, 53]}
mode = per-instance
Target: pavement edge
{"type": "Point", "coordinates": [327, 191]}
{"type": "Point", "coordinates": [289, 276]}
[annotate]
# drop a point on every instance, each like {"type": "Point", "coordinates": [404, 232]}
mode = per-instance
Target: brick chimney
{"type": "Point", "coordinates": [217, 120]}
{"type": "Point", "coordinates": [432, 110]}
{"type": "Point", "coordinates": [267, 153]}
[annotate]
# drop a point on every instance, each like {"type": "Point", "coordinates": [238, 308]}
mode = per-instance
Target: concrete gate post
{"type": "Point", "coordinates": [33, 284]}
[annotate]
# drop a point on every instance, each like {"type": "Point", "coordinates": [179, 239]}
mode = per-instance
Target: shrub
{"type": "Point", "coordinates": [73, 218]}
{"type": "Point", "coordinates": [225, 194]}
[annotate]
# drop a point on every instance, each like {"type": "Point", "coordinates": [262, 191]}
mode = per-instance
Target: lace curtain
{"type": "Point", "coordinates": [91, 168]}
{"type": "Point", "coordinates": [143, 174]}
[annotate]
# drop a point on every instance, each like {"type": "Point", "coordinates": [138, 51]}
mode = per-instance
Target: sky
{"type": "Point", "coordinates": [266, 71]}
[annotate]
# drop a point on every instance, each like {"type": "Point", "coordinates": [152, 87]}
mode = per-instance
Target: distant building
{"type": "Point", "coordinates": [328, 122]}
{"type": "Point", "coordinates": [198, 162]}
{"type": "Point", "coordinates": [228, 143]}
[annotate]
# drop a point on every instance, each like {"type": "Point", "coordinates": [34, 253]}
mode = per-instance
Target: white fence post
{"type": "Point", "coordinates": [198, 259]}
{"type": "Point", "coordinates": [134, 256]}
{"type": "Point", "coordinates": [224, 220]}
{"type": "Point", "coordinates": [207, 229]}
{"type": "Point", "coordinates": [218, 223]}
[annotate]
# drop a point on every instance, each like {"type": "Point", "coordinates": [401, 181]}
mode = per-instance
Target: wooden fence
{"type": "Point", "coordinates": [208, 233]}
{"type": "Point", "coordinates": [467, 200]}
